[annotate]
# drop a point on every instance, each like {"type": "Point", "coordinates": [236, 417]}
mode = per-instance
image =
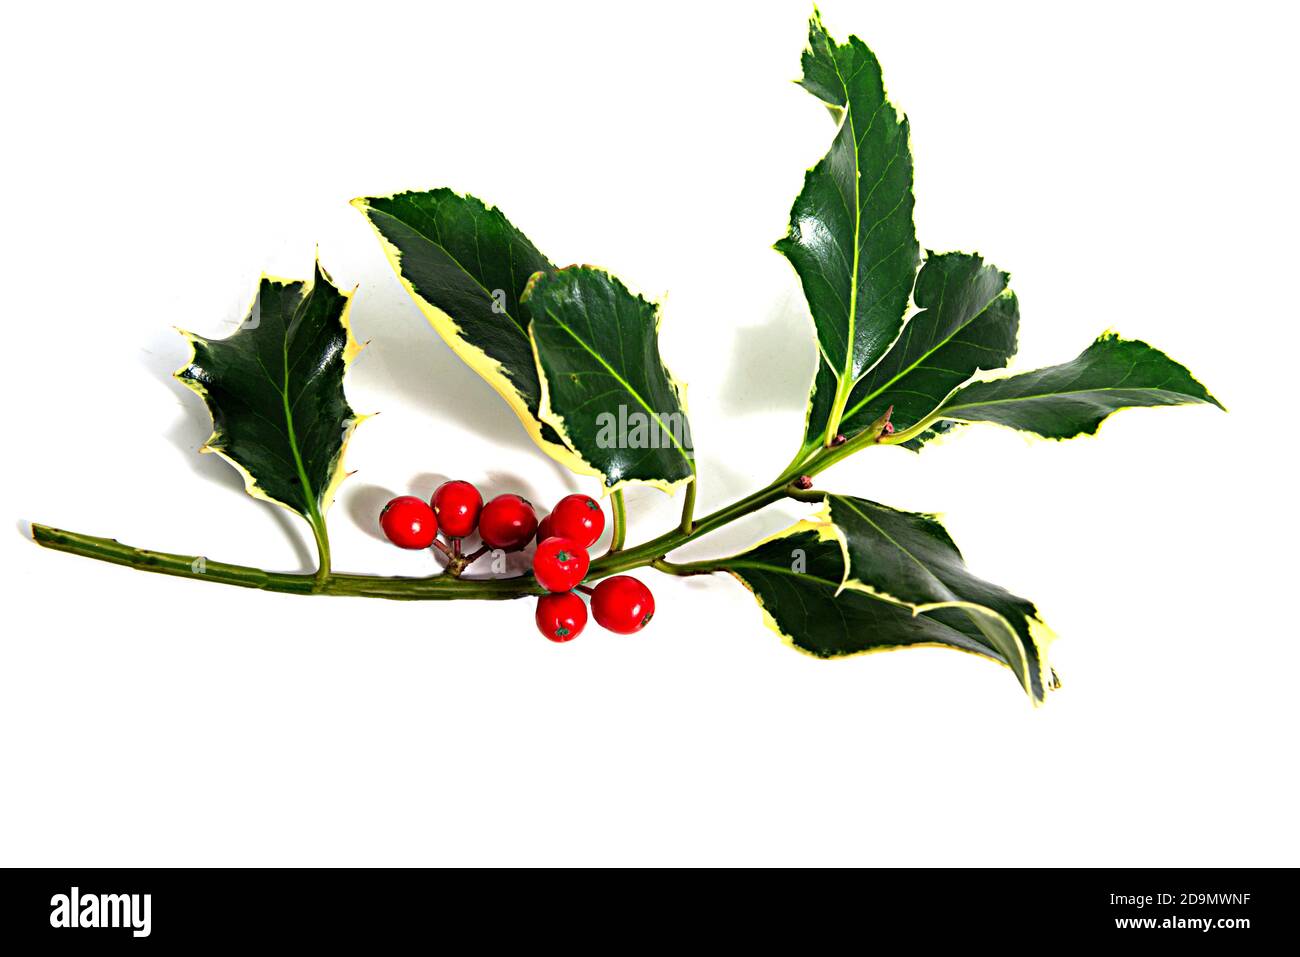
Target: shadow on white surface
{"type": "Point", "coordinates": [425, 484]}
{"type": "Point", "coordinates": [191, 430]}
{"type": "Point", "coordinates": [405, 361]}
{"type": "Point", "coordinates": [765, 372]}
{"type": "Point", "coordinates": [501, 483]}
{"type": "Point", "coordinates": [363, 504]}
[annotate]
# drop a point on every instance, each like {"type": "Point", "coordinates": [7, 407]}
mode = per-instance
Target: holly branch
{"type": "Point", "coordinates": [910, 346]}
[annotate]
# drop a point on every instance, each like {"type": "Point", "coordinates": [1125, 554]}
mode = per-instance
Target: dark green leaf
{"type": "Point", "coordinates": [465, 265]}
{"type": "Point", "coordinates": [1071, 399]}
{"type": "Point", "coordinates": [799, 579]}
{"type": "Point", "coordinates": [604, 387]}
{"type": "Point", "coordinates": [911, 559]}
{"type": "Point", "coordinates": [968, 321]}
{"type": "Point", "coordinates": [851, 238]}
{"type": "Point", "coordinates": [275, 391]}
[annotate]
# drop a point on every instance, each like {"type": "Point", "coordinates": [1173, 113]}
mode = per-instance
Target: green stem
{"type": "Point", "coordinates": [322, 547]}
{"type": "Point", "coordinates": [804, 455]}
{"type": "Point", "coordinates": [826, 457]}
{"type": "Point", "coordinates": [314, 516]}
{"type": "Point", "coordinates": [685, 568]}
{"type": "Point", "coordinates": [619, 533]}
{"type": "Point", "coordinates": [657, 548]}
{"type": "Point", "coordinates": [688, 507]}
{"type": "Point", "coordinates": [613, 563]}
{"type": "Point", "coordinates": [198, 567]}
{"type": "Point", "coordinates": [898, 438]}
{"type": "Point", "coordinates": [843, 387]}
{"type": "Point", "coordinates": [326, 582]}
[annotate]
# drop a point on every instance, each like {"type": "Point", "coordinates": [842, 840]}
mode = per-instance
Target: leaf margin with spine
{"type": "Point", "coordinates": [487, 367]}
{"type": "Point", "coordinates": [557, 421]}
{"type": "Point", "coordinates": [253, 486]}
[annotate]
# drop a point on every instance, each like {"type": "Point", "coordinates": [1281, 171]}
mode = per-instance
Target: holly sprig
{"type": "Point", "coordinates": [911, 345]}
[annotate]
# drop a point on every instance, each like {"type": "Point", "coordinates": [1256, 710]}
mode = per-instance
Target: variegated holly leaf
{"type": "Point", "coordinates": [803, 583]}
{"type": "Point", "coordinates": [910, 558]}
{"type": "Point", "coordinates": [1074, 398]}
{"type": "Point", "coordinates": [605, 389]}
{"type": "Point", "coordinates": [465, 265]}
{"type": "Point", "coordinates": [851, 238]}
{"type": "Point", "coordinates": [968, 321]}
{"type": "Point", "coordinates": [275, 392]}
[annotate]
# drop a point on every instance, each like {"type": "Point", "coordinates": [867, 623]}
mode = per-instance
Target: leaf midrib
{"type": "Point", "coordinates": [1039, 396]}
{"type": "Point", "coordinates": [912, 368]}
{"type": "Point", "coordinates": [953, 596]}
{"type": "Point", "coordinates": [789, 573]}
{"type": "Point", "coordinates": [308, 496]}
{"type": "Point", "coordinates": [626, 385]}
{"type": "Point", "coordinates": [848, 503]}
{"type": "Point", "coordinates": [849, 345]}
{"type": "Point", "coordinates": [514, 321]}
{"type": "Point", "coordinates": [805, 576]}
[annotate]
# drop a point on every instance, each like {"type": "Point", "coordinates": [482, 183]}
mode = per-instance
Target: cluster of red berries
{"type": "Point", "coordinates": [457, 510]}
{"type": "Point", "coordinates": [620, 604]}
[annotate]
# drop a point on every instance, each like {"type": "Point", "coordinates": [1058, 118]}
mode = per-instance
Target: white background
{"type": "Point", "coordinates": [1131, 165]}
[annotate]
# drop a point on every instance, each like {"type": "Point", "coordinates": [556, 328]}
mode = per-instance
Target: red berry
{"type": "Point", "coordinates": [561, 617]}
{"type": "Point", "coordinates": [507, 522]}
{"type": "Point", "coordinates": [544, 530]}
{"type": "Point", "coordinates": [409, 522]}
{"type": "Point", "coordinates": [578, 517]}
{"type": "Point", "coordinates": [560, 563]}
{"type": "Point", "coordinates": [622, 604]}
{"type": "Point", "coordinates": [457, 505]}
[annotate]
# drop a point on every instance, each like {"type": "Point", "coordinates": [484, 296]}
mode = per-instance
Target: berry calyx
{"type": "Point", "coordinates": [579, 518]}
{"type": "Point", "coordinates": [507, 522]}
{"type": "Point", "coordinates": [559, 564]}
{"type": "Point", "coordinates": [622, 604]}
{"type": "Point", "coordinates": [457, 505]}
{"type": "Point", "coordinates": [409, 522]}
{"type": "Point", "coordinates": [561, 617]}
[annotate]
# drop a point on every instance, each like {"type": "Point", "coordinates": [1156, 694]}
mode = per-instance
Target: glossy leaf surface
{"type": "Point", "coordinates": [1074, 398]}
{"type": "Point", "coordinates": [968, 320]}
{"type": "Point", "coordinates": [910, 558]}
{"type": "Point", "coordinates": [605, 389]}
{"type": "Point", "coordinates": [802, 583]}
{"type": "Point", "coordinates": [275, 392]}
{"type": "Point", "coordinates": [851, 237]}
{"type": "Point", "coordinates": [465, 265]}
